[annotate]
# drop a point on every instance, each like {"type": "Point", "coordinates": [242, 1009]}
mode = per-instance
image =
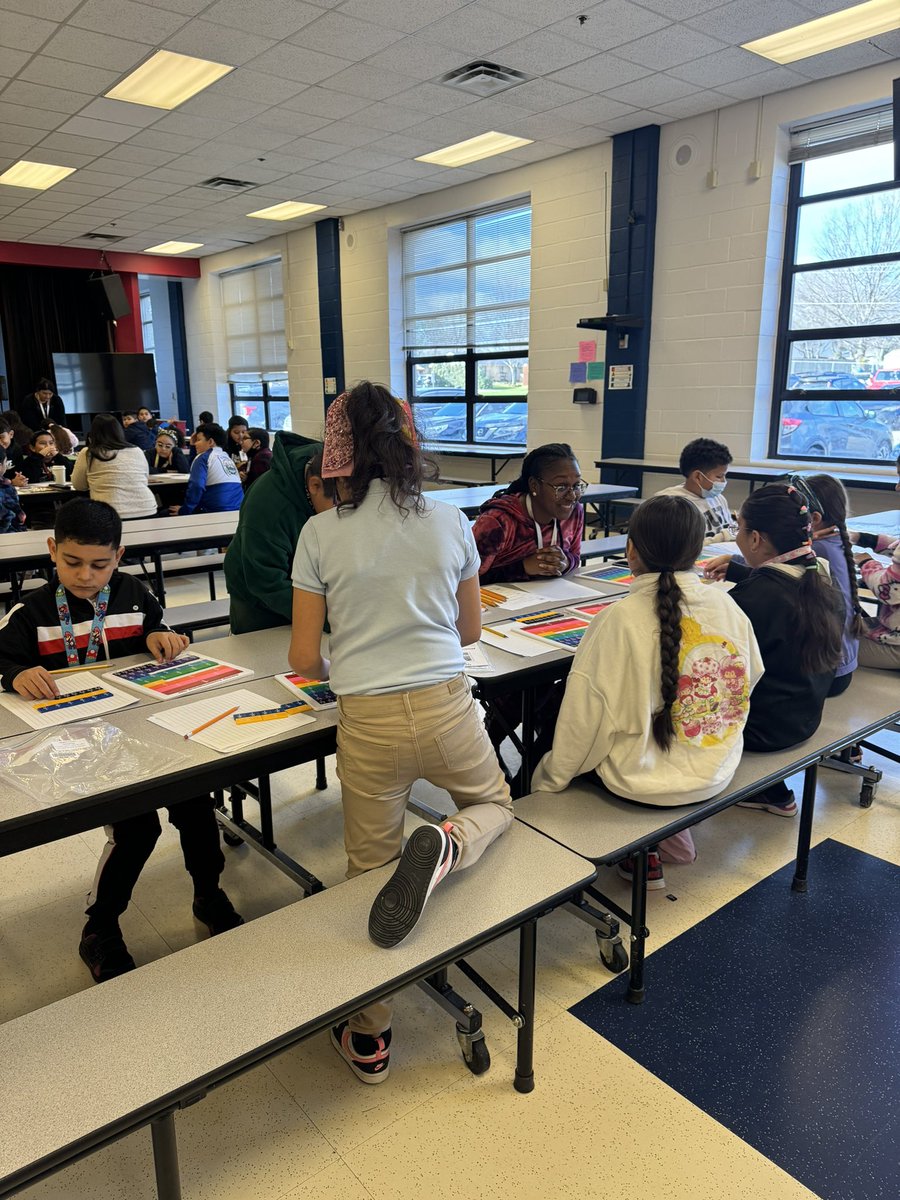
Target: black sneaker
{"type": "Point", "coordinates": [428, 857]}
{"type": "Point", "coordinates": [369, 1058]}
{"type": "Point", "coordinates": [216, 912]}
{"type": "Point", "coordinates": [105, 954]}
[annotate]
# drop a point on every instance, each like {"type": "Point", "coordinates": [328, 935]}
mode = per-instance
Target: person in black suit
{"type": "Point", "coordinates": [42, 407]}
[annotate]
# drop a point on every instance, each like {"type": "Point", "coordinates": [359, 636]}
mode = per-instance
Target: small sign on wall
{"type": "Point", "coordinates": [330, 385]}
{"type": "Point", "coordinates": [621, 378]}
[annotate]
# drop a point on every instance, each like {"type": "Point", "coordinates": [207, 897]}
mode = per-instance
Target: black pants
{"type": "Point", "coordinates": [131, 843]}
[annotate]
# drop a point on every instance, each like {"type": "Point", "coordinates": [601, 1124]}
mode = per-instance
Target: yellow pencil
{"type": "Point", "coordinates": [86, 667]}
{"type": "Point", "coordinates": [495, 632]}
{"type": "Point", "coordinates": [211, 721]}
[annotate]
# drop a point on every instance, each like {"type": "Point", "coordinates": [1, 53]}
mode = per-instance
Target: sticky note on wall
{"type": "Point", "coordinates": [587, 351]}
{"type": "Point", "coordinates": [577, 372]}
{"type": "Point", "coordinates": [595, 370]}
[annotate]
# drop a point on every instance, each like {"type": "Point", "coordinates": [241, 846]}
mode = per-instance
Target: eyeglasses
{"type": "Point", "coordinates": [561, 489]}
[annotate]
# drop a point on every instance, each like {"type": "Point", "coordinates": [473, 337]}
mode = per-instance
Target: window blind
{"type": "Point", "coordinates": [253, 315]}
{"type": "Point", "coordinates": [852, 131]}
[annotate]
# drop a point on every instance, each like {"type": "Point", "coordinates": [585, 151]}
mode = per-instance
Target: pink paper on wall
{"type": "Point", "coordinates": [587, 352]}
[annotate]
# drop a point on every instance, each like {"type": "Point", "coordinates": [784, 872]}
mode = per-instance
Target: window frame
{"type": "Point", "coordinates": [264, 398]}
{"type": "Point", "coordinates": [785, 336]}
{"type": "Point", "coordinates": [472, 399]}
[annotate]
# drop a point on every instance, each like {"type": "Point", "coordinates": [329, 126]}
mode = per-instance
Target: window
{"type": "Point", "coordinates": [255, 344]}
{"type": "Point", "coordinates": [147, 326]}
{"type": "Point", "coordinates": [466, 293]}
{"type": "Point", "coordinates": [837, 372]}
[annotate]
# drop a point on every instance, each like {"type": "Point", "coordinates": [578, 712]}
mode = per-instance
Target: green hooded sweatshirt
{"type": "Point", "coordinates": [259, 559]}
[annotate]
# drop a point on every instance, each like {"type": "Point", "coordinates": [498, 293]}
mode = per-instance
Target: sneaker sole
{"type": "Point", "coordinates": [106, 975]}
{"type": "Point", "coordinates": [770, 808]}
{"type": "Point", "coordinates": [653, 885]}
{"type": "Point", "coordinates": [361, 1075]}
{"type": "Point", "coordinates": [399, 904]}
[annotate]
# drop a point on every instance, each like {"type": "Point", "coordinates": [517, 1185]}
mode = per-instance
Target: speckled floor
{"type": "Point", "coordinates": [599, 1123]}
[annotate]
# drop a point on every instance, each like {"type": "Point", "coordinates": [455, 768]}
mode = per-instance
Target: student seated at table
{"type": "Point", "coordinates": [214, 485]}
{"type": "Point", "coordinates": [137, 433]}
{"type": "Point", "coordinates": [399, 573]}
{"type": "Point", "coordinates": [533, 527]}
{"type": "Point", "coordinates": [113, 471]}
{"type": "Point", "coordinates": [234, 441]}
{"type": "Point", "coordinates": [798, 615]}
{"type": "Point", "coordinates": [12, 515]}
{"type": "Point", "coordinates": [41, 457]}
{"type": "Point", "coordinates": [704, 465]}
{"type": "Point", "coordinates": [89, 613]}
{"type": "Point", "coordinates": [167, 456]}
{"type": "Point", "coordinates": [8, 469]}
{"type": "Point", "coordinates": [258, 561]}
{"type": "Point", "coordinates": [880, 647]}
{"type": "Point", "coordinates": [259, 457]}
{"type": "Point", "coordinates": [659, 691]}
{"type": "Point", "coordinates": [66, 441]}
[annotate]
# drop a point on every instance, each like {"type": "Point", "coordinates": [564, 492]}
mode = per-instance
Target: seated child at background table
{"type": "Point", "coordinates": [12, 515]}
{"type": "Point", "coordinates": [798, 615]}
{"type": "Point", "coordinates": [659, 691]}
{"type": "Point", "coordinates": [214, 485]}
{"type": "Point", "coordinates": [234, 438]}
{"type": "Point", "coordinates": [533, 528]}
{"type": "Point", "coordinates": [109, 615]}
{"type": "Point", "coordinates": [399, 574]}
{"type": "Point", "coordinates": [137, 433]}
{"type": "Point", "coordinates": [110, 469]}
{"type": "Point", "coordinates": [8, 470]}
{"type": "Point", "coordinates": [880, 647]}
{"type": "Point", "coordinates": [42, 456]}
{"type": "Point", "coordinates": [704, 465]}
{"type": "Point", "coordinates": [259, 457]}
{"type": "Point", "coordinates": [167, 455]}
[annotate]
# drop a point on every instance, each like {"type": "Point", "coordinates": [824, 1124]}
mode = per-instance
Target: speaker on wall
{"type": "Point", "coordinates": [111, 293]}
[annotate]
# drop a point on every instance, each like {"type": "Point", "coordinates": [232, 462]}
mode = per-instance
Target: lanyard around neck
{"type": "Point", "coordinates": [554, 536]}
{"type": "Point", "coordinates": [65, 623]}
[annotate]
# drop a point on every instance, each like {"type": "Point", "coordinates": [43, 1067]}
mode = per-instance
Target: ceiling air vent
{"type": "Point", "coordinates": [484, 78]}
{"type": "Point", "coordinates": [102, 237]}
{"type": "Point", "coordinates": [221, 183]}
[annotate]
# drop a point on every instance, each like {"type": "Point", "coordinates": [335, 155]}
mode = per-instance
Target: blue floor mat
{"type": "Point", "coordinates": [780, 1017]}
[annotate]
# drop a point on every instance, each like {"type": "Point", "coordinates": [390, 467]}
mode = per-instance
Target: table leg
{"type": "Point", "coordinates": [804, 836]}
{"type": "Point", "coordinates": [524, 1077]}
{"type": "Point", "coordinates": [160, 578]}
{"type": "Point", "coordinates": [639, 929]}
{"type": "Point", "coordinates": [165, 1158]}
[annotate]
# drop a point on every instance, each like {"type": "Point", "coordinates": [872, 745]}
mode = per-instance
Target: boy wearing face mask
{"type": "Point", "coordinates": [704, 465]}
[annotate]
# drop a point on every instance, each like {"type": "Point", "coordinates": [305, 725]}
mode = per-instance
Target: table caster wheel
{"type": "Point", "coordinates": [613, 954]}
{"type": "Point", "coordinates": [231, 839]}
{"type": "Point", "coordinates": [866, 795]}
{"type": "Point", "coordinates": [475, 1053]}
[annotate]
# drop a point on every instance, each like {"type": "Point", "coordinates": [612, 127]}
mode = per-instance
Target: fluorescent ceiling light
{"type": "Point", "coordinates": [483, 146]}
{"type": "Point", "coordinates": [286, 212]}
{"type": "Point", "coordinates": [173, 247]}
{"type": "Point", "coordinates": [35, 175]}
{"type": "Point", "coordinates": [827, 33]}
{"type": "Point", "coordinates": [166, 80]}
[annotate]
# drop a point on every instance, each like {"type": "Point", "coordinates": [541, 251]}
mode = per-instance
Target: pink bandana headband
{"type": "Point", "coordinates": [339, 452]}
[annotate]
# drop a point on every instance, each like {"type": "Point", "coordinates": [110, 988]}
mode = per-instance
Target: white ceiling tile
{"type": "Point", "coordinates": [589, 135]}
{"type": "Point", "coordinates": [680, 10]}
{"type": "Point", "coordinates": [346, 133]}
{"type": "Point", "coordinates": [155, 140]}
{"type": "Point", "coordinates": [227, 108]}
{"type": "Point", "coordinates": [328, 171]}
{"type": "Point", "coordinates": [189, 7]}
{"type": "Point", "coordinates": [690, 106]}
{"type": "Point", "coordinates": [203, 128]}
{"type": "Point", "coordinates": [478, 31]}
{"type": "Point", "coordinates": [345, 36]}
{"type": "Point", "coordinates": [283, 120]}
{"type": "Point", "coordinates": [777, 79]}
{"type": "Point", "coordinates": [594, 110]}
{"type": "Point", "coordinates": [26, 134]}
{"type": "Point", "coordinates": [293, 62]}
{"type": "Point", "coordinates": [413, 170]}
{"type": "Point", "coordinates": [107, 131]}
{"type": "Point", "coordinates": [538, 12]}
{"type": "Point", "coordinates": [49, 99]}
{"type": "Point", "coordinates": [256, 86]}
{"type": "Point", "coordinates": [543, 52]}
{"type": "Point", "coordinates": [599, 73]}
{"type": "Point", "coordinates": [402, 14]}
{"type": "Point", "coordinates": [306, 148]}
{"type": "Point", "coordinates": [205, 40]}
{"type": "Point", "coordinates": [79, 144]}
{"type": "Point", "coordinates": [12, 61]}
{"type": "Point", "coordinates": [276, 19]}
{"type": "Point", "coordinates": [407, 145]}
{"type": "Point", "coordinates": [741, 22]}
{"type": "Point", "coordinates": [367, 160]}
{"type": "Point", "coordinates": [250, 137]}
{"type": "Point", "coordinates": [322, 102]}
{"type": "Point", "coordinates": [822, 8]}
{"type": "Point", "coordinates": [390, 118]}
{"type": "Point", "coordinates": [432, 98]}
{"type": "Point", "coordinates": [13, 151]}
{"type": "Point", "coordinates": [550, 124]}
{"type": "Point", "coordinates": [141, 156]}
{"type": "Point", "coordinates": [669, 47]}
{"type": "Point", "coordinates": [138, 116]}
{"type": "Point", "coordinates": [651, 91]}
{"type": "Point", "coordinates": [94, 50]}
{"type": "Point", "coordinates": [76, 77]}
{"type": "Point", "coordinates": [52, 10]}
{"type": "Point", "coordinates": [418, 57]}
{"type": "Point", "coordinates": [282, 166]}
{"type": "Point", "coordinates": [541, 94]}
{"type": "Point", "coordinates": [842, 60]}
{"type": "Point", "coordinates": [30, 118]}
{"type": "Point", "coordinates": [143, 24]}
{"type": "Point", "coordinates": [720, 68]}
{"type": "Point", "coordinates": [23, 32]}
{"type": "Point", "coordinates": [610, 24]}
{"type": "Point", "coordinates": [378, 86]}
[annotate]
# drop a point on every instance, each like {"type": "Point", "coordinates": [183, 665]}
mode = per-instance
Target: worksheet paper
{"type": "Point", "coordinates": [90, 697]}
{"type": "Point", "coordinates": [506, 597]}
{"type": "Point", "coordinates": [505, 636]}
{"type": "Point", "coordinates": [477, 662]}
{"type": "Point", "coordinates": [188, 672]}
{"type": "Point", "coordinates": [563, 591]}
{"type": "Point", "coordinates": [226, 736]}
{"type": "Point", "coordinates": [315, 692]}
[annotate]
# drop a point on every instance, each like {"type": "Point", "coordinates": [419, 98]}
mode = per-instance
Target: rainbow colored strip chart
{"type": "Point", "coordinates": [621, 575]}
{"type": "Point", "coordinates": [561, 629]}
{"type": "Point", "coordinates": [316, 692]}
{"type": "Point", "coordinates": [185, 674]}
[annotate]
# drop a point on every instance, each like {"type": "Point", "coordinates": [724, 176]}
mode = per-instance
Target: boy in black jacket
{"type": "Point", "coordinates": [89, 613]}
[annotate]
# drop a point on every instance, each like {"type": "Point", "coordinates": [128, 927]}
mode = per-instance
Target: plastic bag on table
{"type": "Point", "coordinates": [80, 759]}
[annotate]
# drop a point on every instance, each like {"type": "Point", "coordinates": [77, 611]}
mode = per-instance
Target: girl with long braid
{"type": "Point", "coordinates": [659, 690]}
{"type": "Point", "coordinates": [798, 616]}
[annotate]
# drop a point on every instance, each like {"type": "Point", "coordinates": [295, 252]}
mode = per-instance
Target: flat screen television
{"type": "Point", "coordinates": [96, 383]}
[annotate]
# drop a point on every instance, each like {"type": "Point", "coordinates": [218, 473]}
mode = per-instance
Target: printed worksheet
{"type": "Point", "coordinates": [188, 672]}
{"type": "Point", "coordinates": [82, 695]}
{"type": "Point", "coordinates": [232, 721]}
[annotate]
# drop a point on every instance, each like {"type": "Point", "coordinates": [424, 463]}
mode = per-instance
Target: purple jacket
{"type": "Point", "coordinates": [832, 551]}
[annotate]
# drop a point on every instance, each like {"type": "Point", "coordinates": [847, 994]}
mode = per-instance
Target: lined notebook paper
{"type": "Point", "coordinates": [226, 736]}
{"type": "Point", "coordinates": [82, 695]}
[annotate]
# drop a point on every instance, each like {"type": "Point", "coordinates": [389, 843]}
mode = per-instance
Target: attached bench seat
{"type": "Point", "coordinates": [603, 547]}
{"type": "Point", "coordinates": [82, 1072]}
{"type": "Point", "coordinates": [188, 618]}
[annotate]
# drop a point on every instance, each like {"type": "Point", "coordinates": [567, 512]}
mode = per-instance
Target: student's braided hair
{"type": "Point", "coordinates": [833, 505]}
{"type": "Point", "coordinates": [533, 465]}
{"type": "Point", "coordinates": [781, 513]}
{"type": "Point", "coordinates": [667, 533]}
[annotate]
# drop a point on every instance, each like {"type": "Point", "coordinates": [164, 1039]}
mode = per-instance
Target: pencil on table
{"type": "Point", "coordinates": [495, 632]}
{"type": "Point", "coordinates": [211, 721]}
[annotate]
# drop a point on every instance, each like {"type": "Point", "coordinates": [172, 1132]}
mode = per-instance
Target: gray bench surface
{"type": "Point", "coordinates": [604, 547]}
{"type": "Point", "coordinates": [82, 1071]}
{"type": "Point", "coordinates": [204, 614]}
{"type": "Point", "coordinates": [470, 499]}
{"type": "Point", "coordinates": [604, 828]}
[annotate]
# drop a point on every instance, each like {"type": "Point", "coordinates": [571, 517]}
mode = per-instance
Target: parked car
{"type": "Point", "coordinates": [885, 379]}
{"type": "Point", "coordinates": [841, 381]}
{"type": "Point", "coordinates": [504, 423]}
{"type": "Point", "coordinates": [440, 422]}
{"type": "Point", "coordinates": [833, 429]}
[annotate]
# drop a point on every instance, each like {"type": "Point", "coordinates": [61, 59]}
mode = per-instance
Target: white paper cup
{"type": "Point", "coordinates": [59, 474]}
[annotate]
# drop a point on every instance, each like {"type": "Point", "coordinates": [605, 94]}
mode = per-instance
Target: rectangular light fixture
{"type": "Point", "coordinates": [166, 80]}
{"type": "Point", "coordinates": [289, 211]}
{"type": "Point", "coordinates": [173, 247]}
{"type": "Point", "coordinates": [828, 33]}
{"type": "Point", "coordinates": [39, 176]}
{"type": "Point", "coordinates": [484, 146]}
